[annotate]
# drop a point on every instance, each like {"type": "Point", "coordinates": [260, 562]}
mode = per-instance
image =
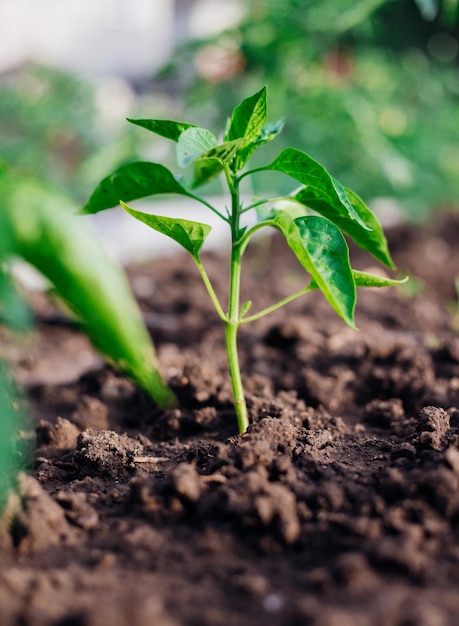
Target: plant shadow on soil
{"type": "Point", "coordinates": [338, 507]}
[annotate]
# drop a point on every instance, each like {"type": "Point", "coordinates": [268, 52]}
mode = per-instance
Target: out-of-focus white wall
{"type": "Point", "coordinates": [128, 38]}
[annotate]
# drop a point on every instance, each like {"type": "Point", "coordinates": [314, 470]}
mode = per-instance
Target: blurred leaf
{"type": "Point", "coordinates": [60, 246]}
{"type": "Point", "coordinates": [364, 279]}
{"type": "Point", "coordinates": [12, 420]}
{"type": "Point", "coordinates": [13, 310]}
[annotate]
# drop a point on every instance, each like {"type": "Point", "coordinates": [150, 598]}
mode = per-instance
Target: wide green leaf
{"type": "Point", "coordinates": [132, 181]}
{"type": "Point", "coordinates": [94, 287]}
{"type": "Point", "coordinates": [372, 240]}
{"type": "Point", "coordinates": [165, 128]}
{"type": "Point", "coordinates": [191, 235]}
{"type": "Point", "coordinates": [309, 172]}
{"type": "Point", "coordinates": [194, 142]}
{"type": "Point", "coordinates": [322, 251]}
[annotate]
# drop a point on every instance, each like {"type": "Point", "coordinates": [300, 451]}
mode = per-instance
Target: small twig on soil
{"type": "Point", "coordinates": [150, 459]}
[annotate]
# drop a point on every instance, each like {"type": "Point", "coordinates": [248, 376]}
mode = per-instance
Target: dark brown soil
{"type": "Point", "coordinates": [338, 507]}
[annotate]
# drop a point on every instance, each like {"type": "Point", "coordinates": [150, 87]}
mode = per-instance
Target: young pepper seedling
{"type": "Point", "coordinates": [321, 210]}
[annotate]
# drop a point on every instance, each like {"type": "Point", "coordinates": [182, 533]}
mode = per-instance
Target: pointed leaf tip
{"type": "Point", "coordinates": [165, 128]}
{"type": "Point", "coordinates": [248, 118]}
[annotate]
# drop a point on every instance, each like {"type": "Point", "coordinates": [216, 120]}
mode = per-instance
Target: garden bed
{"type": "Point", "coordinates": [338, 507]}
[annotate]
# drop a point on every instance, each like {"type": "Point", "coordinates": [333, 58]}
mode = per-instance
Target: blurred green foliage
{"type": "Point", "coordinates": [54, 128]}
{"type": "Point", "coordinates": [14, 312]}
{"type": "Point", "coordinates": [371, 88]}
{"type": "Point", "coordinates": [46, 124]}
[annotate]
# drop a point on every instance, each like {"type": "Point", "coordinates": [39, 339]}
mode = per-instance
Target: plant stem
{"type": "Point", "coordinates": [262, 201]}
{"type": "Point", "coordinates": [235, 373]}
{"type": "Point", "coordinates": [209, 206]}
{"type": "Point", "coordinates": [233, 318]}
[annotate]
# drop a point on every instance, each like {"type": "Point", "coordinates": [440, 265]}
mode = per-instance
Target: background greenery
{"type": "Point", "coordinates": [370, 88]}
{"type": "Point", "coordinates": [14, 314]}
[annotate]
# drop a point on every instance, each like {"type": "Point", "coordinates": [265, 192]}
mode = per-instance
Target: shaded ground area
{"type": "Point", "coordinates": [338, 507]}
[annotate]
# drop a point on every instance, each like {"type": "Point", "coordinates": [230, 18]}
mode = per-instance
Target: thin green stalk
{"type": "Point", "coordinates": [244, 240]}
{"type": "Point", "coordinates": [210, 289]}
{"type": "Point", "coordinates": [274, 307]}
{"type": "Point", "coordinates": [235, 373]}
{"type": "Point", "coordinates": [262, 201]}
{"type": "Point", "coordinates": [233, 319]}
{"type": "Point", "coordinates": [209, 206]}
{"type": "Point", "coordinates": [250, 172]}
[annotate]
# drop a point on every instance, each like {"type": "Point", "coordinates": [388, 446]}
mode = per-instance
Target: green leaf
{"type": "Point", "coordinates": [94, 287]}
{"type": "Point", "coordinates": [191, 235]}
{"type": "Point", "coordinates": [132, 181]}
{"type": "Point", "coordinates": [373, 240]}
{"type": "Point", "coordinates": [309, 172]}
{"type": "Point", "coordinates": [248, 118]}
{"type": "Point", "coordinates": [194, 142]}
{"type": "Point", "coordinates": [322, 251]}
{"type": "Point", "coordinates": [364, 279]}
{"type": "Point", "coordinates": [166, 128]}
{"type": "Point", "coordinates": [247, 122]}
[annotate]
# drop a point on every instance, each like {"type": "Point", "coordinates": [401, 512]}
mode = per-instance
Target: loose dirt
{"type": "Point", "coordinates": [338, 507]}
